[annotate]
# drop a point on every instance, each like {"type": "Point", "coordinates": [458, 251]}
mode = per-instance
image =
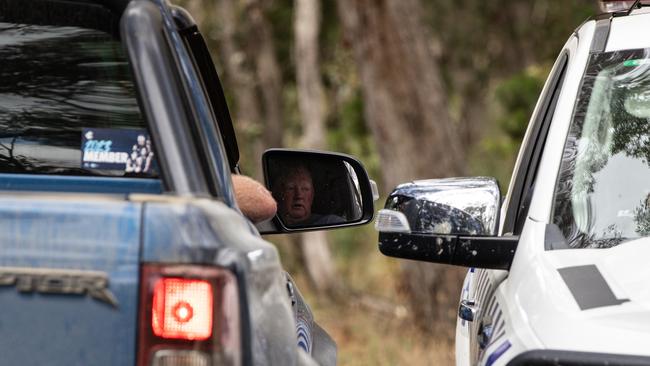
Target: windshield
{"type": "Point", "coordinates": [68, 105]}
{"type": "Point", "coordinates": [603, 192]}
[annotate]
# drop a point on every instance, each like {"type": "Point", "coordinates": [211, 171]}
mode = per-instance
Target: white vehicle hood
{"type": "Point", "coordinates": [591, 300]}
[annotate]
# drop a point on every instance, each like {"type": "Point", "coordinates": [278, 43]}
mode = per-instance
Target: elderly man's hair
{"type": "Point", "coordinates": [291, 170]}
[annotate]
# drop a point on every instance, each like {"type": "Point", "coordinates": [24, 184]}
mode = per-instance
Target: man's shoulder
{"type": "Point", "coordinates": [318, 219]}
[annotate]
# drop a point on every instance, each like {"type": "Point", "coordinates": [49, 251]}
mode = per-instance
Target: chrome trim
{"type": "Point", "coordinates": [59, 281]}
{"type": "Point", "coordinates": [467, 310]}
{"type": "Point", "coordinates": [452, 206]}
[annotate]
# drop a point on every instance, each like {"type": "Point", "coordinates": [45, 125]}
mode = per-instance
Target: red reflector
{"type": "Point", "coordinates": [182, 309]}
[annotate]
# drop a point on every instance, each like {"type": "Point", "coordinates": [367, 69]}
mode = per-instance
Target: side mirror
{"type": "Point", "coordinates": [449, 221]}
{"type": "Point", "coordinates": [316, 190]}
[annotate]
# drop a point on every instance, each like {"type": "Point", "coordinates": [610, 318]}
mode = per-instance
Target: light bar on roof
{"type": "Point", "coordinates": [614, 6]}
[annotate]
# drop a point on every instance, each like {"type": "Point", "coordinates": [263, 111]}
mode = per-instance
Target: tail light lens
{"type": "Point", "coordinates": [188, 315]}
{"type": "Point", "coordinates": [182, 309]}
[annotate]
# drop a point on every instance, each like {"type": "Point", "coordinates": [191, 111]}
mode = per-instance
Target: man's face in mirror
{"type": "Point", "coordinates": [297, 196]}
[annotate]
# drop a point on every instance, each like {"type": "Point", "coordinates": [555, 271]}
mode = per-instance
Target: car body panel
{"type": "Point", "coordinates": [625, 32]}
{"type": "Point", "coordinates": [67, 234]}
{"type": "Point", "coordinates": [594, 329]}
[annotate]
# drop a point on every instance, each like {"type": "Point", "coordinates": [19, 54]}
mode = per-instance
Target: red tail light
{"type": "Point", "coordinates": [188, 315]}
{"type": "Point", "coordinates": [182, 309]}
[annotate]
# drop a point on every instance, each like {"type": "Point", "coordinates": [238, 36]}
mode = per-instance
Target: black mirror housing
{"type": "Point", "coordinates": [316, 190]}
{"type": "Point", "coordinates": [466, 251]}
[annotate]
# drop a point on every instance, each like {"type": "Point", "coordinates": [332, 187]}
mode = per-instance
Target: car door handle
{"type": "Point", "coordinates": [485, 332]}
{"type": "Point", "coordinates": [467, 310]}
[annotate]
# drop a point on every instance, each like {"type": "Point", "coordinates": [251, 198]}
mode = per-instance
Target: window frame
{"type": "Point", "coordinates": [162, 97]}
{"type": "Point", "coordinates": [201, 123]}
{"type": "Point", "coordinates": [530, 156]}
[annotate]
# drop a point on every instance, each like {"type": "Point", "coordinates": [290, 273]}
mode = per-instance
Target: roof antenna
{"type": "Point", "coordinates": [634, 6]}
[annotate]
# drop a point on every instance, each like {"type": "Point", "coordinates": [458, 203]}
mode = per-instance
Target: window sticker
{"type": "Point", "coordinates": [128, 150]}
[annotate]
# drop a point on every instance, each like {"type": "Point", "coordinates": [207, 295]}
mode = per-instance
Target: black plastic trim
{"type": "Point", "coordinates": [550, 102]}
{"type": "Point", "coordinates": [571, 358]}
{"type": "Point", "coordinates": [183, 18]}
{"type": "Point", "coordinates": [554, 239]}
{"type": "Point", "coordinates": [636, 5]}
{"type": "Point", "coordinates": [212, 83]}
{"type": "Point", "coordinates": [467, 251]}
{"type": "Point", "coordinates": [601, 35]}
{"type": "Point", "coordinates": [486, 252]}
{"type": "Point", "coordinates": [524, 181]}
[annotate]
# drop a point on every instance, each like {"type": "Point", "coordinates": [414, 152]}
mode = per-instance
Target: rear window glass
{"type": "Point", "coordinates": [68, 105]}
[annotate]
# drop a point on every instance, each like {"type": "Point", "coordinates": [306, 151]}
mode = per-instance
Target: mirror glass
{"type": "Point", "coordinates": [314, 190]}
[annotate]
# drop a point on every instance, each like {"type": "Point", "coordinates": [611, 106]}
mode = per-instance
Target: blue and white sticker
{"type": "Point", "coordinates": [128, 150]}
{"type": "Point", "coordinates": [303, 333]}
{"type": "Point", "coordinates": [503, 347]}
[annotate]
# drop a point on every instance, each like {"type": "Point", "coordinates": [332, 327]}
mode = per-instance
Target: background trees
{"type": "Point", "coordinates": [415, 89]}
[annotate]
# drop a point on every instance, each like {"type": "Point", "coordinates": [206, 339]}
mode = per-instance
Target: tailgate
{"type": "Point", "coordinates": [68, 280]}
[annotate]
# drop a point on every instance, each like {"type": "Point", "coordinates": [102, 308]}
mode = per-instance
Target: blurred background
{"type": "Point", "coordinates": [414, 89]}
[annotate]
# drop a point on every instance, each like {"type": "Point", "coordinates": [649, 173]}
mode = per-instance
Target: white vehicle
{"type": "Point", "coordinates": [559, 270]}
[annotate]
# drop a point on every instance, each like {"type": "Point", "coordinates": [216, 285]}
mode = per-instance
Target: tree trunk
{"type": "Point", "coordinates": [319, 264]}
{"type": "Point", "coordinates": [310, 90]}
{"type": "Point", "coordinates": [315, 250]}
{"type": "Point", "coordinates": [253, 72]}
{"type": "Point", "coordinates": [405, 104]}
{"type": "Point", "coordinates": [406, 110]}
{"type": "Point", "coordinates": [196, 9]}
{"type": "Point", "coordinates": [247, 113]}
{"type": "Point", "coordinates": [267, 71]}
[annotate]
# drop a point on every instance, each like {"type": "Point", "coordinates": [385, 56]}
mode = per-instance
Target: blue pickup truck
{"type": "Point", "coordinates": [121, 242]}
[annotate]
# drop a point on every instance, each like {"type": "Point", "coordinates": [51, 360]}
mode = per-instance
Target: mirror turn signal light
{"type": "Point", "coordinates": [391, 221]}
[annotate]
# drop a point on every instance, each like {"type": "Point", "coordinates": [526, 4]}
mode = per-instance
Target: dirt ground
{"type": "Point", "coordinates": [370, 320]}
{"type": "Point", "coordinates": [367, 337]}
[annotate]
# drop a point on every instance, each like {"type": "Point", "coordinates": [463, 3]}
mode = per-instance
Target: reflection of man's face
{"type": "Point", "coordinates": [297, 197]}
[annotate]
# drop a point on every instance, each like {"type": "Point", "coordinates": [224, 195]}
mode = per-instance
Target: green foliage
{"type": "Point", "coordinates": [330, 35]}
{"type": "Point", "coordinates": [516, 97]}
{"type": "Point", "coordinates": [513, 101]}
{"type": "Point", "coordinates": [487, 48]}
{"type": "Point", "coordinates": [353, 242]}
{"type": "Point", "coordinates": [280, 15]}
{"type": "Point", "coordinates": [348, 133]}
